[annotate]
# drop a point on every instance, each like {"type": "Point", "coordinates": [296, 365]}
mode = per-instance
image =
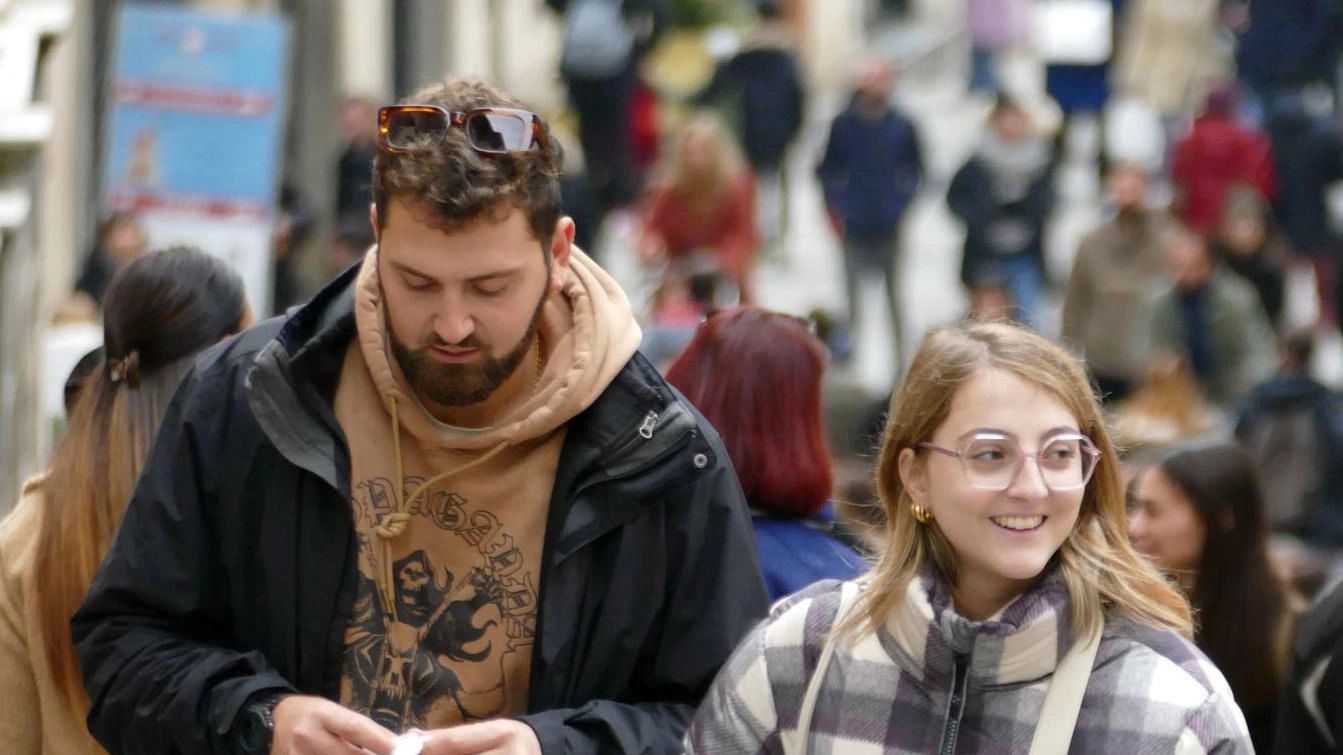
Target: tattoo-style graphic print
{"type": "Point", "coordinates": [451, 635]}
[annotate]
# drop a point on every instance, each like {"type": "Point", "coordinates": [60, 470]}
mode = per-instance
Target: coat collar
{"type": "Point", "coordinates": [1022, 643]}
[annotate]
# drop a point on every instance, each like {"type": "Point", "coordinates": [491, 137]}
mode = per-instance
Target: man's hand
{"type": "Point", "coordinates": [502, 736]}
{"type": "Point", "coordinates": [316, 726]}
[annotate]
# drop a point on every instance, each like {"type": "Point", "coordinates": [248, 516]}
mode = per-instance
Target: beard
{"type": "Point", "coordinates": [459, 385]}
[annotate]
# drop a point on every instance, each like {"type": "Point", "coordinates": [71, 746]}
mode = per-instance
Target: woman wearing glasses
{"type": "Point", "coordinates": [1009, 614]}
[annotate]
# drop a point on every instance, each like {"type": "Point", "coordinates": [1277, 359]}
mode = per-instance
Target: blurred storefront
{"type": "Point", "coordinates": [52, 144]}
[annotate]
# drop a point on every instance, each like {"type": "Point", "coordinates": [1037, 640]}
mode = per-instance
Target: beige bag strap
{"type": "Point", "coordinates": [797, 743]}
{"type": "Point", "coordinates": [1063, 700]}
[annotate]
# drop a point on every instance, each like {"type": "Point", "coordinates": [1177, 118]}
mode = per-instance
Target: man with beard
{"type": "Point", "coordinates": [468, 401]}
{"type": "Point", "coordinates": [1118, 266]}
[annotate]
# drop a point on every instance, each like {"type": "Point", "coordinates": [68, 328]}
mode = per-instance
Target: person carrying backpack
{"type": "Point", "coordinates": [1292, 426]}
{"type": "Point", "coordinates": [602, 45]}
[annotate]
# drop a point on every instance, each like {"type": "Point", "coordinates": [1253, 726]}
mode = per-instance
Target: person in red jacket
{"type": "Point", "coordinates": [702, 208]}
{"type": "Point", "coordinates": [1218, 153]}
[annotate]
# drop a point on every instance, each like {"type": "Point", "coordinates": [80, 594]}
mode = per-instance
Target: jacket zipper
{"type": "Point", "coordinates": [650, 422]}
{"type": "Point", "coordinates": [646, 428]}
{"type": "Point", "coordinates": [960, 678]}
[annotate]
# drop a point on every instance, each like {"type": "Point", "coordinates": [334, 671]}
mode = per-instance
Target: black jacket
{"type": "Point", "coordinates": [1315, 681]}
{"type": "Point", "coordinates": [761, 89]}
{"type": "Point", "coordinates": [971, 198]}
{"type": "Point", "coordinates": [871, 171]}
{"type": "Point", "coordinates": [234, 569]}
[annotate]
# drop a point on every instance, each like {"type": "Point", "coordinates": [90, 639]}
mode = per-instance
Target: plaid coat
{"type": "Point", "coordinates": [1150, 692]}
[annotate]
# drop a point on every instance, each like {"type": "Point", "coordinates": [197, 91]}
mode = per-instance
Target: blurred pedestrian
{"type": "Point", "coordinates": [1310, 717]}
{"type": "Point", "coordinates": [341, 532]}
{"type": "Point", "coordinates": [756, 376]}
{"type": "Point", "coordinates": [1308, 155]}
{"type": "Point", "coordinates": [996, 27]}
{"type": "Point", "coordinates": [293, 226]}
{"type": "Point", "coordinates": [1199, 515]}
{"type": "Point", "coordinates": [1292, 427]}
{"type": "Point", "coordinates": [1170, 55]}
{"type": "Point", "coordinates": [354, 166]}
{"type": "Point", "coordinates": [700, 210]}
{"type": "Point", "coordinates": [1004, 194]}
{"type": "Point", "coordinates": [679, 305]}
{"type": "Point", "coordinates": [159, 312]}
{"type": "Point", "coordinates": [1079, 83]}
{"type": "Point", "coordinates": [603, 43]}
{"type": "Point", "coordinates": [760, 87]}
{"type": "Point", "coordinates": [1217, 155]}
{"type": "Point", "coordinates": [353, 239]}
{"type": "Point", "coordinates": [1286, 47]}
{"type": "Point", "coordinates": [1214, 319]}
{"type": "Point", "coordinates": [1167, 406]}
{"type": "Point", "coordinates": [80, 375]}
{"type": "Point", "coordinates": [870, 173]}
{"type": "Point", "coordinates": [1008, 599]}
{"type": "Point", "coordinates": [1249, 243]}
{"type": "Point", "coordinates": [1116, 269]}
{"type": "Point", "coordinates": [121, 239]}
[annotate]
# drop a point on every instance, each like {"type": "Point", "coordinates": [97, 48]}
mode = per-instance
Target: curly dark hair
{"type": "Point", "coordinates": [458, 186]}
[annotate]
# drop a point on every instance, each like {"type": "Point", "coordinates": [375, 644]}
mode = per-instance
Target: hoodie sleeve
{"type": "Point", "coordinates": [716, 596]}
{"type": "Point", "coordinates": [160, 676]}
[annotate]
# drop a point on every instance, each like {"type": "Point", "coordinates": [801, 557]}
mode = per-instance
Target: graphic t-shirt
{"type": "Point", "coordinates": [448, 637]}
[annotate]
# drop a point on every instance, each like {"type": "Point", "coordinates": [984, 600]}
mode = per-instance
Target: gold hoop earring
{"type": "Point", "coordinates": [921, 514]}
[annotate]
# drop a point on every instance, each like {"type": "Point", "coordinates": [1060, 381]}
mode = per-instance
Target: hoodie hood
{"type": "Point", "coordinates": [588, 332]}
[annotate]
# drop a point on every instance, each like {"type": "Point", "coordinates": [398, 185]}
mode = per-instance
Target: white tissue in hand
{"type": "Point", "coordinates": [409, 744]}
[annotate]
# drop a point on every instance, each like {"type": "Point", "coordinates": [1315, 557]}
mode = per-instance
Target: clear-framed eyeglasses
{"type": "Point", "coordinates": [993, 460]}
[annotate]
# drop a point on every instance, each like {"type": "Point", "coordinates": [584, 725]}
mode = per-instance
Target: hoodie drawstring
{"type": "Point", "coordinates": [393, 525]}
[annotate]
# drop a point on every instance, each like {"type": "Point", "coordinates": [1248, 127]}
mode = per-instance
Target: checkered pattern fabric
{"type": "Point", "coordinates": [1151, 692]}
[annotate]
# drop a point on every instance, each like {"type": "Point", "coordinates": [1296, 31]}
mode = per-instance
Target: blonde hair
{"type": "Point", "coordinates": [702, 191]}
{"type": "Point", "coordinates": [1101, 570]}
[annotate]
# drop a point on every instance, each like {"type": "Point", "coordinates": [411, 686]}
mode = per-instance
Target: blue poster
{"type": "Point", "coordinates": [197, 104]}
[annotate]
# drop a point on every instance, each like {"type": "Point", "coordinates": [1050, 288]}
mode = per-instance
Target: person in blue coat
{"type": "Point", "coordinates": [871, 171]}
{"type": "Point", "coordinates": [756, 376]}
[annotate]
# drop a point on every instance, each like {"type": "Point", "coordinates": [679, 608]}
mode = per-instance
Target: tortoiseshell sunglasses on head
{"type": "Point", "coordinates": [489, 130]}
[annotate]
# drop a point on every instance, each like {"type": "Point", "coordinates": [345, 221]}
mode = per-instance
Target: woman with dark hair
{"type": "Point", "coordinates": [756, 376]}
{"type": "Point", "coordinates": [1198, 514]}
{"type": "Point", "coordinates": [161, 310]}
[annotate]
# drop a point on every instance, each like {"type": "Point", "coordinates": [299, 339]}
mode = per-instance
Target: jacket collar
{"type": "Point", "coordinates": [626, 435]}
{"type": "Point", "coordinates": [1022, 643]}
{"type": "Point", "coordinates": [629, 436]}
{"type": "Point", "coordinates": [289, 384]}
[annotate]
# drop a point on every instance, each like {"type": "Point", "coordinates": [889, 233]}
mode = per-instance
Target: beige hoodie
{"type": "Point", "coordinates": [449, 560]}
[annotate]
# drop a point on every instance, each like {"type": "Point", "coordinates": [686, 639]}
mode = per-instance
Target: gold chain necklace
{"type": "Point", "coordinates": [540, 361]}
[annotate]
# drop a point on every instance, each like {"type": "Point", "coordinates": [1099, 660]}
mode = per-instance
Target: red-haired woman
{"type": "Point", "coordinates": [756, 376]}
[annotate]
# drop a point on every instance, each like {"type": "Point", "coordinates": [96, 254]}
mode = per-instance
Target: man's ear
{"type": "Point", "coordinates": [561, 251]}
{"type": "Point", "coordinates": [373, 218]}
{"type": "Point", "coordinates": [913, 476]}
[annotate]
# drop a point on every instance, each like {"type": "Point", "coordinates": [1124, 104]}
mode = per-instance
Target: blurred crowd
{"type": "Point", "coordinates": [1196, 304]}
